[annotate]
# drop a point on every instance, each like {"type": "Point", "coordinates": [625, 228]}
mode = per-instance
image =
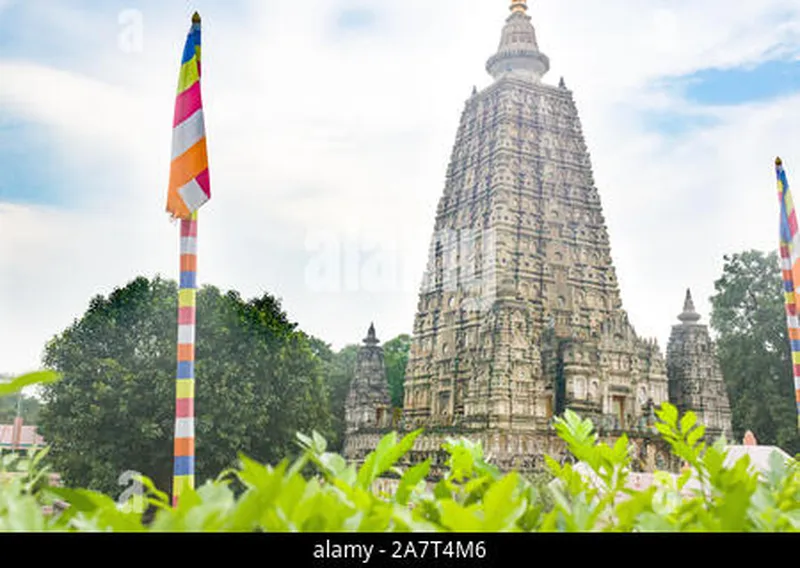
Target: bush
{"type": "Point", "coordinates": [474, 496]}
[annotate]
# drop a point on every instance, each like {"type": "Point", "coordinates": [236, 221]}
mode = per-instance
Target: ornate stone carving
{"type": "Point", "coordinates": [519, 234]}
{"type": "Point", "coordinates": [368, 404]}
{"type": "Point", "coordinates": [695, 379]}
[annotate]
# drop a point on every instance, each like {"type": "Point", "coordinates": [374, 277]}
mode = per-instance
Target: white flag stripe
{"type": "Point", "coordinates": [185, 334]}
{"type": "Point", "coordinates": [193, 195]}
{"type": "Point", "coordinates": [188, 245]}
{"type": "Point", "coordinates": [184, 427]}
{"type": "Point", "coordinates": [188, 133]}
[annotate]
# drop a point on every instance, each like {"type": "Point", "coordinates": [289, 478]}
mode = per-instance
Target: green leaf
{"type": "Point", "coordinates": [668, 413]}
{"type": "Point", "coordinates": [410, 480]}
{"type": "Point", "coordinates": [304, 441]}
{"type": "Point", "coordinates": [79, 499]}
{"type": "Point", "coordinates": [458, 518]}
{"type": "Point", "coordinates": [393, 454]}
{"type": "Point", "coordinates": [689, 419]}
{"type": "Point", "coordinates": [30, 379]}
{"type": "Point", "coordinates": [320, 444]}
{"type": "Point", "coordinates": [442, 490]}
{"type": "Point", "coordinates": [148, 484]}
{"type": "Point", "coordinates": [501, 506]}
{"type": "Point", "coordinates": [694, 436]}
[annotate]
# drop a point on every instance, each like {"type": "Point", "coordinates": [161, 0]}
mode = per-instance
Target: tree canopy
{"type": "Point", "coordinates": [749, 317]}
{"type": "Point", "coordinates": [28, 406]}
{"type": "Point", "coordinates": [338, 369]}
{"type": "Point", "coordinates": [395, 353]}
{"type": "Point", "coordinates": [258, 383]}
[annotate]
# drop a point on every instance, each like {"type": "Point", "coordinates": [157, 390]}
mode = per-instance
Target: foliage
{"type": "Point", "coordinates": [24, 476]}
{"type": "Point", "coordinates": [473, 496]}
{"type": "Point", "coordinates": [258, 383]}
{"type": "Point", "coordinates": [16, 385]}
{"type": "Point", "coordinates": [749, 317]}
{"type": "Point", "coordinates": [395, 352]}
{"type": "Point", "coordinates": [29, 407]}
{"type": "Point", "coordinates": [338, 369]}
{"type": "Point", "coordinates": [29, 468]}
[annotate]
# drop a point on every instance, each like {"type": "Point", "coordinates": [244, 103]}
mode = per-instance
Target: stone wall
{"type": "Point", "coordinates": [521, 452]}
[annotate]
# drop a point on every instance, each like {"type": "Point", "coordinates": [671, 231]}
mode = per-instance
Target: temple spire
{"type": "Point", "coordinates": [689, 314]}
{"type": "Point", "coordinates": [518, 54]}
{"type": "Point", "coordinates": [371, 338]}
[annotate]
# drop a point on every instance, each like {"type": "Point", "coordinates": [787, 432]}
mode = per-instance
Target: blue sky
{"type": "Point", "coordinates": [31, 32]}
{"type": "Point", "coordinates": [767, 80]}
{"type": "Point", "coordinates": [356, 19]}
{"type": "Point", "coordinates": [330, 130]}
{"type": "Point", "coordinates": [23, 147]}
{"type": "Point", "coordinates": [706, 90]}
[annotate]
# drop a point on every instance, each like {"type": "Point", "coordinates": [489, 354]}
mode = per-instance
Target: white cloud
{"type": "Point", "coordinates": [310, 135]}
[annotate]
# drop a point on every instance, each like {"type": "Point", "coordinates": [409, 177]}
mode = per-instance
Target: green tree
{"type": "Point", "coordinates": [339, 368]}
{"type": "Point", "coordinates": [395, 352]}
{"type": "Point", "coordinates": [749, 317]}
{"type": "Point", "coordinates": [29, 409]}
{"type": "Point", "coordinates": [258, 383]}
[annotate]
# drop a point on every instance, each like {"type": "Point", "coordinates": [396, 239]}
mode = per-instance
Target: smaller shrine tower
{"type": "Point", "coordinates": [695, 378]}
{"type": "Point", "coordinates": [368, 404]}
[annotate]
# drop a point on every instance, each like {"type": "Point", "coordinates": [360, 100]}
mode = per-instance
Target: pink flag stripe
{"type": "Point", "coordinates": [184, 408]}
{"type": "Point", "coordinates": [187, 103]}
{"type": "Point", "coordinates": [189, 229]}
{"type": "Point", "coordinates": [186, 316]}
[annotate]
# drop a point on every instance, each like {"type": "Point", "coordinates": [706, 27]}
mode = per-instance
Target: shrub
{"type": "Point", "coordinates": [473, 496]}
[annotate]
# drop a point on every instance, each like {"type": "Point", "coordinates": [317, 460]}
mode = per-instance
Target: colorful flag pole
{"type": "Point", "coordinates": [184, 392]}
{"type": "Point", "coordinates": [189, 189]}
{"type": "Point", "coordinates": [790, 266]}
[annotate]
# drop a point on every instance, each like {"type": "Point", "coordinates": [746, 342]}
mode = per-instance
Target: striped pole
{"type": "Point", "coordinates": [790, 265]}
{"type": "Point", "coordinates": [183, 474]}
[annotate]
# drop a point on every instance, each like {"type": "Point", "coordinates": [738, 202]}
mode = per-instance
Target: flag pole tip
{"type": "Point", "coordinates": [778, 161]}
{"type": "Point", "coordinates": [196, 18]}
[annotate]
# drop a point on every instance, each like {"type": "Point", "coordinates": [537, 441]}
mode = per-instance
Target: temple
{"type": "Point", "coordinates": [695, 379]}
{"type": "Point", "coordinates": [519, 314]}
{"type": "Point", "coordinates": [368, 404]}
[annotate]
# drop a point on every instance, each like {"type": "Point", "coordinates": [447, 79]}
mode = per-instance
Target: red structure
{"type": "Point", "coordinates": [17, 436]}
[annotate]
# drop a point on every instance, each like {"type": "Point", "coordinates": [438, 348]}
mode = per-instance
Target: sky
{"type": "Point", "coordinates": [330, 125]}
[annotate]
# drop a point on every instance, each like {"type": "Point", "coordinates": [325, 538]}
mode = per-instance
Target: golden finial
{"type": "Point", "coordinates": [778, 162]}
{"type": "Point", "coordinates": [519, 6]}
{"type": "Point", "coordinates": [196, 18]}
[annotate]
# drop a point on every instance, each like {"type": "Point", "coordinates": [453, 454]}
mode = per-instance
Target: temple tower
{"type": "Point", "coordinates": [695, 379]}
{"type": "Point", "coordinates": [519, 313]}
{"type": "Point", "coordinates": [368, 404]}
